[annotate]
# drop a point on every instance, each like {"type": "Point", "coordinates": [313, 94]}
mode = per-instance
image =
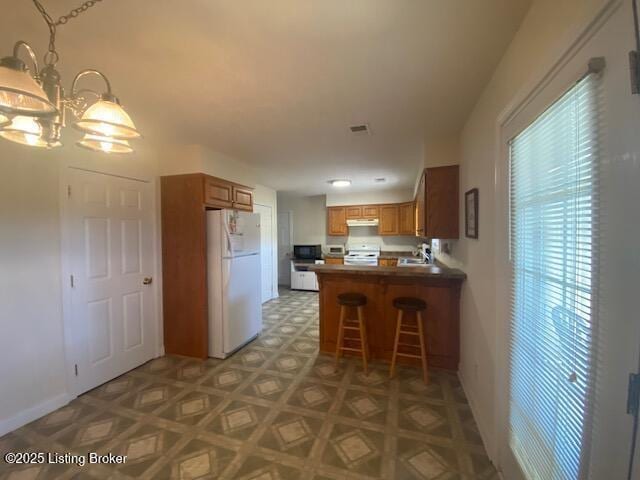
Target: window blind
{"type": "Point", "coordinates": [554, 233]}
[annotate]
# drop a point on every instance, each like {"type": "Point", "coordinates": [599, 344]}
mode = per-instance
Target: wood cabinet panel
{"type": "Point", "coordinates": [242, 199]}
{"type": "Point", "coordinates": [354, 212]}
{"type": "Point", "coordinates": [437, 210]}
{"type": "Point", "coordinates": [419, 201]}
{"type": "Point", "coordinates": [389, 215]}
{"type": "Point", "coordinates": [184, 266]}
{"type": "Point", "coordinates": [442, 203]}
{"type": "Point", "coordinates": [387, 262]}
{"type": "Point", "coordinates": [334, 261]}
{"type": "Point", "coordinates": [406, 222]}
{"type": "Point", "coordinates": [337, 221]}
{"type": "Point", "coordinates": [370, 211]}
{"type": "Point", "coordinates": [218, 193]}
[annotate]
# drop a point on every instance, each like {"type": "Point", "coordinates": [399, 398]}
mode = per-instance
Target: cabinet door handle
{"type": "Point", "coordinates": [147, 280]}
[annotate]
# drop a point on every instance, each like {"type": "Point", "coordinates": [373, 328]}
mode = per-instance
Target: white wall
{"type": "Point", "coordinates": [367, 198]}
{"type": "Point", "coordinates": [548, 28]}
{"type": "Point", "coordinates": [308, 217]}
{"type": "Point", "coordinates": [32, 340]}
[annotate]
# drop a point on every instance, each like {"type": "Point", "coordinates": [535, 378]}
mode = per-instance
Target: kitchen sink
{"type": "Point", "coordinates": [412, 262]}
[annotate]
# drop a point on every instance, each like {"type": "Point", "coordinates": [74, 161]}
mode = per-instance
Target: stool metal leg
{"type": "Point", "coordinates": [423, 347]}
{"type": "Point", "coordinates": [363, 341]}
{"type": "Point", "coordinates": [392, 370]}
{"type": "Point", "coordinates": [340, 335]}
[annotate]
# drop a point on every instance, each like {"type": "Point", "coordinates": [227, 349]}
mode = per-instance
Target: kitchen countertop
{"type": "Point", "coordinates": [422, 272]}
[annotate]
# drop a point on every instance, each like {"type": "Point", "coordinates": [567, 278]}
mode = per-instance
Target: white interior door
{"type": "Point", "coordinates": [266, 250]}
{"type": "Point", "coordinates": [284, 248]}
{"type": "Point", "coordinates": [112, 305]}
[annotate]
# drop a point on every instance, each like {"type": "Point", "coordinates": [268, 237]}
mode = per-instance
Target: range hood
{"type": "Point", "coordinates": [363, 222]}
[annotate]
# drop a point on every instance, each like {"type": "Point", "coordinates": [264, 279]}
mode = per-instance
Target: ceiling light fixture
{"type": "Point", "coordinates": [33, 105]}
{"type": "Point", "coordinates": [341, 183]}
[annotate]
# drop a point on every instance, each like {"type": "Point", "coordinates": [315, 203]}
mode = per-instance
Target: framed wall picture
{"type": "Point", "coordinates": [471, 213]}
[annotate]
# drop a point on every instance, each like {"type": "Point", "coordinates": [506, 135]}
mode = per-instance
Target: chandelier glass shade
{"type": "Point", "coordinates": [24, 130]}
{"type": "Point", "coordinates": [107, 118]}
{"type": "Point", "coordinates": [99, 143]}
{"type": "Point", "coordinates": [4, 120]}
{"type": "Point", "coordinates": [20, 93]}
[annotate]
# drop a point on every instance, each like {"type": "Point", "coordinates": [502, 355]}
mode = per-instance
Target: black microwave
{"type": "Point", "coordinates": [307, 252]}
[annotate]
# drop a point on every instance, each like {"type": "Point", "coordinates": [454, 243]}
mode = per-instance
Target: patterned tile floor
{"type": "Point", "coordinates": [276, 410]}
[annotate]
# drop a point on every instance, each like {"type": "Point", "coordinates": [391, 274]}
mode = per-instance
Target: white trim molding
{"type": "Point", "coordinates": [30, 414]}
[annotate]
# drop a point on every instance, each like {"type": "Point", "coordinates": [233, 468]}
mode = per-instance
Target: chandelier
{"type": "Point", "coordinates": [34, 107]}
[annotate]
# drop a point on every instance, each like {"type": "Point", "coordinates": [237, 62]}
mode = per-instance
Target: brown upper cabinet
{"type": "Point", "coordinates": [370, 211]}
{"type": "Point", "coordinates": [437, 210]}
{"type": "Point", "coordinates": [394, 219]}
{"type": "Point", "coordinates": [354, 212]}
{"type": "Point", "coordinates": [389, 220]}
{"type": "Point", "coordinates": [337, 221]}
{"type": "Point", "coordinates": [407, 219]}
{"type": "Point", "coordinates": [242, 198]}
{"type": "Point", "coordinates": [359, 212]}
{"type": "Point", "coordinates": [219, 193]}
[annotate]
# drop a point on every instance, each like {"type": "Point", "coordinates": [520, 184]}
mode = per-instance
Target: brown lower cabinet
{"type": "Point", "coordinates": [387, 262]}
{"type": "Point", "coordinates": [442, 316]}
{"type": "Point", "coordinates": [334, 261]}
{"type": "Point", "coordinates": [184, 201]}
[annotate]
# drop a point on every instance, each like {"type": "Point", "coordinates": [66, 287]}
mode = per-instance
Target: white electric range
{"type": "Point", "coordinates": [362, 255]}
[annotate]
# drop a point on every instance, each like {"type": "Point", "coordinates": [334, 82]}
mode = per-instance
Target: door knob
{"type": "Point", "coordinates": [147, 280]}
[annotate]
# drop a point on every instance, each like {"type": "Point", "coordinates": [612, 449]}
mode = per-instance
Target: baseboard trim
{"type": "Point", "coordinates": [30, 414]}
{"type": "Point", "coordinates": [485, 433]}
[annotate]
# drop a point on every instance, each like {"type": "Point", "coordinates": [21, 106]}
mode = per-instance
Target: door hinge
{"type": "Point", "coordinates": [68, 191]}
{"type": "Point", "coordinates": [633, 395]}
{"type": "Point", "coordinates": [75, 367]}
{"type": "Point", "coordinates": [72, 281]}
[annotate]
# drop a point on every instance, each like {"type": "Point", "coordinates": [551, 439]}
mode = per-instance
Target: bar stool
{"type": "Point", "coordinates": [358, 301]}
{"type": "Point", "coordinates": [409, 304]}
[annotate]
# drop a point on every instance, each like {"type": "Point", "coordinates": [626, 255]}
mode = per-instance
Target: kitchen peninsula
{"type": "Point", "coordinates": [439, 287]}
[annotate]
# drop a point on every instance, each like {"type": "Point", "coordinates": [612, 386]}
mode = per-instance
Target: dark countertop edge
{"type": "Point", "coordinates": [419, 272]}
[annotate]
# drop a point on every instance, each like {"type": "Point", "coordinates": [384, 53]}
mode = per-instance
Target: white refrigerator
{"type": "Point", "coordinates": [233, 257]}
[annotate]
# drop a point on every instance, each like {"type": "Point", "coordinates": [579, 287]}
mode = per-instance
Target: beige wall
{"type": "Point", "coordinates": [548, 29]}
{"type": "Point", "coordinates": [308, 217]}
{"type": "Point", "coordinates": [366, 198]}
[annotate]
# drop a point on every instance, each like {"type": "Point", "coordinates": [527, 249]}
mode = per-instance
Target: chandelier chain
{"type": "Point", "coordinates": [51, 57]}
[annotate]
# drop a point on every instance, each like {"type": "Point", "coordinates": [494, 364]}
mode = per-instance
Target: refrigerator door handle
{"type": "Point", "coordinates": [227, 235]}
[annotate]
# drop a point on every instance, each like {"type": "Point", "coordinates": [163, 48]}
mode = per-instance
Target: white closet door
{"type": "Point", "coordinates": [112, 305]}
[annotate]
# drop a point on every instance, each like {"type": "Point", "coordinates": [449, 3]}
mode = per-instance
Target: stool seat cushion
{"type": "Point", "coordinates": [409, 304]}
{"type": "Point", "coordinates": [352, 299]}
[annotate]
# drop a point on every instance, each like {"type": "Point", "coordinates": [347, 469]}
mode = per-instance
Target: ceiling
{"type": "Point", "coordinates": [277, 83]}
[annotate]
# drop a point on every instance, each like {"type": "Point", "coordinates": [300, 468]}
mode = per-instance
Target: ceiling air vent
{"type": "Point", "coordinates": [360, 129]}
